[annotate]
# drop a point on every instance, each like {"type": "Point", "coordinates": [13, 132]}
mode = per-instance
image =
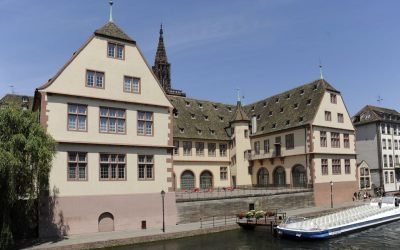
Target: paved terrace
{"type": "Point", "coordinates": [108, 239]}
{"type": "Point", "coordinates": [229, 193]}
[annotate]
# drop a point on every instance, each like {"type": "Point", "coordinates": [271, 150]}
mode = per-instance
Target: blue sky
{"type": "Point", "coordinates": [262, 47]}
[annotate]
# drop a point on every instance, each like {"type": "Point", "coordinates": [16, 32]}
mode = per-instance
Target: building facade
{"type": "Point", "coordinates": [378, 143]}
{"type": "Point", "coordinates": [111, 120]}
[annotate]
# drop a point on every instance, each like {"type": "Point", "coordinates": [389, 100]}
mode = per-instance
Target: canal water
{"type": "Point", "coordinates": [386, 236]}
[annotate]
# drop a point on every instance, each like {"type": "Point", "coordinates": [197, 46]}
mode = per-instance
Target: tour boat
{"type": "Point", "coordinates": [378, 211]}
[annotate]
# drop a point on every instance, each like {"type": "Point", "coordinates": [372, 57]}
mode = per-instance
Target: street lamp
{"type": "Point", "coordinates": [331, 194]}
{"type": "Point", "coordinates": [163, 218]}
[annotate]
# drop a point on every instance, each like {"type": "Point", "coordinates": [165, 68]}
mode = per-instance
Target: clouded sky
{"type": "Point", "coordinates": [262, 47]}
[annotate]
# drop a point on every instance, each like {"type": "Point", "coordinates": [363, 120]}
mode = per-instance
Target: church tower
{"type": "Point", "coordinates": [162, 68]}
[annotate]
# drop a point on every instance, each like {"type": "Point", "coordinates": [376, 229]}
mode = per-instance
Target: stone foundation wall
{"type": "Point", "coordinates": [193, 211]}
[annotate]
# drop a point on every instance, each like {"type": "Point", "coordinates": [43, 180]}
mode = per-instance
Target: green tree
{"type": "Point", "coordinates": [26, 153]}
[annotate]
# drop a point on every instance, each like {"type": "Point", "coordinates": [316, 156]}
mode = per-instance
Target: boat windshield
{"type": "Point", "coordinates": [293, 219]}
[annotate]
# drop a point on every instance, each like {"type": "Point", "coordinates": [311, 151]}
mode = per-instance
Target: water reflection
{"type": "Point", "coordinates": [381, 237]}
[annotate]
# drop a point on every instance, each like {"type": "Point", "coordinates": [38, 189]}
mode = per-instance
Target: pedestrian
{"type": "Point", "coordinates": [359, 195]}
{"type": "Point", "coordinates": [355, 196]}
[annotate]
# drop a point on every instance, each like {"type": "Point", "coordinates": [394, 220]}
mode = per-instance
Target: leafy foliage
{"type": "Point", "coordinates": [26, 152]}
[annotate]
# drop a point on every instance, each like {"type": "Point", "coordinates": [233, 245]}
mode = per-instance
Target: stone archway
{"type": "Point", "coordinates": [206, 180]}
{"type": "Point", "coordinates": [279, 177]}
{"type": "Point", "coordinates": [106, 222]}
{"type": "Point", "coordinates": [299, 176]}
{"type": "Point", "coordinates": [187, 180]}
{"type": "Point", "coordinates": [262, 177]}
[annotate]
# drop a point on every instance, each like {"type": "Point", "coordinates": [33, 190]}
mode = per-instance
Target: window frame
{"type": "Point", "coordinates": [336, 167]}
{"type": "Point", "coordinates": [347, 166]}
{"type": "Point", "coordinates": [346, 140]}
{"type": "Point", "coordinates": [324, 167]}
{"type": "Point", "coordinates": [131, 85]}
{"type": "Point", "coordinates": [328, 116]}
{"type": "Point", "coordinates": [176, 147]}
{"type": "Point", "coordinates": [95, 72]}
{"type": "Point", "coordinates": [215, 149]}
{"type": "Point", "coordinates": [115, 50]}
{"type": "Point", "coordinates": [289, 140]}
{"type": "Point", "coordinates": [77, 163]}
{"type": "Point", "coordinates": [335, 141]}
{"type": "Point", "coordinates": [323, 138]}
{"type": "Point", "coordinates": [333, 98]}
{"type": "Point", "coordinates": [145, 169]}
{"type": "Point", "coordinates": [108, 117]}
{"type": "Point", "coordinates": [340, 117]}
{"type": "Point", "coordinates": [145, 121]}
{"type": "Point", "coordinates": [223, 173]}
{"type": "Point", "coordinates": [77, 114]}
{"type": "Point", "coordinates": [199, 150]}
{"type": "Point", "coordinates": [186, 143]}
{"type": "Point", "coordinates": [110, 163]}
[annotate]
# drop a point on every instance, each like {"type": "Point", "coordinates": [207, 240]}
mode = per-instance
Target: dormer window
{"type": "Point", "coordinates": [265, 104]}
{"type": "Point", "coordinates": [187, 104]}
{"type": "Point", "coordinates": [221, 118]}
{"type": "Point", "coordinates": [302, 92]}
{"type": "Point", "coordinates": [229, 109]}
{"type": "Point", "coordinates": [270, 113]}
{"type": "Point", "coordinates": [281, 110]}
{"type": "Point", "coordinates": [258, 117]}
{"type": "Point", "coordinates": [200, 105]}
{"type": "Point", "coordinates": [296, 106]}
{"type": "Point", "coordinates": [193, 116]}
{"type": "Point", "coordinates": [199, 132]}
{"type": "Point", "coordinates": [308, 101]}
{"type": "Point", "coordinates": [301, 119]}
{"type": "Point", "coordinates": [277, 100]}
{"type": "Point", "coordinates": [215, 107]}
{"type": "Point", "coordinates": [206, 117]}
{"type": "Point", "coordinates": [176, 114]}
{"type": "Point", "coordinates": [115, 51]}
{"type": "Point", "coordinates": [182, 130]}
{"type": "Point", "coordinates": [287, 122]}
{"type": "Point", "coordinates": [252, 109]}
{"type": "Point", "coordinates": [262, 128]}
{"type": "Point", "coordinates": [273, 125]}
{"type": "Point", "coordinates": [315, 87]}
{"type": "Point", "coordinates": [212, 132]}
{"type": "Point", "coordinates": [288, 96]}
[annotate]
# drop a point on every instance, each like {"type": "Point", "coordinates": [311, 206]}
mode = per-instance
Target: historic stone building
{"type": "Point", "coordinates": [378, 143]}
{"type": "Point", "coordinates": [22, 101]}
{"type": "Point", "coordinates": [299, 138]}
{"type": "Point", "coordinates": [112, 123]}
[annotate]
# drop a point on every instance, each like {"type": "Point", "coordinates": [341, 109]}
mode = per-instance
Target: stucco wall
{"type": "Point", "coordinates": [367, 145]}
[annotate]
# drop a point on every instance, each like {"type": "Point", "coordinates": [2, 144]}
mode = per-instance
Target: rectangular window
{"type": "Point", "coordinates": [112, 120]}
{"type": "Point", "coordinates": [77, 166]}
{"type": "Point", "coordinates": [389, 144]}
{"type": "Point", "coordinates": [212, 147]}
{"type": "Point", "coordinates": [112, 167]}
{"type": "Point", "coordinates": [384, 143]}
{"type": "Point", "coordinates": [347, 169]}
{"type": "Point", "coordinates": [324, 166]}
{"type": "Point", "coordinates": [335, 140]}
{"type": "Point", "coordinates": [246, 133]}
{"type": "Point", "coordinates": [223, 173]}
{"type": "Point", "coordinates": [131, 84]}
{"type": "Point", "coordinates": [346, 140]}
{"type": "Point", "coordinates": [333, 99]}
{"type": "Point", "coordinates": [77, 117]}
{"type": "Point", "coordinates": [115, 50]}
{"type": "Point", "coordinates": [396, 146]}
{"type": "Point", "coordinates": [145, 123]}
{"type": "Point", "coordinates": [257, 147]}
{"type": "Point", "coordinates": [386, 177]}
{"type": "Point", "coordinates": [266, 146]}
{"type": "Point", "coordinates": [222, 149]}
{"type": "Point", "coordinates": [391, 177]}
{"type": "Point", "coordinates": [94, 79]}
{"type": "Point", "coordinates": [328, 116]}
{"type": "Point", "coordinates": [187, 148]}
{"type": "Point", "coordinates": [385, 161]}
{"type": "Point", "coordinates": [390, 160]}
{"type": "Point", "coordinates": [199, 148]}
{"type": "Point", "coordinates": [176, 147]}
{"type": "Point", "coordinates": [336, 167]}
{"type": "Point", "coordinates": [396, 160]}
{"type": "Point", "coordinates": [340, 118]}
{"type": "Point", "coordinates": [323, 139]}
{"type": "Point", "coordinates": [289, 141]}
{"type": "Point", "coordinates": [145, 167]}
{"type": "Point", "coordinates": [383, 127]}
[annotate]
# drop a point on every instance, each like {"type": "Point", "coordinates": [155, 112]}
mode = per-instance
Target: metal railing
{"type": "Point", "coordinates": [216, 221]}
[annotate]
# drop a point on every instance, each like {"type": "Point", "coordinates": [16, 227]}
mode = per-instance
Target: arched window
{"type": "Point", "coordinates": [279, 177]}
{"type": "Point", "coordinates": [187, 180]}
{"type": "Point", "coordinates": [106, 222]}
{"type": "Point", "coordinates": [206, 180]}
{"type": "Point", "coordinates": [262, 177]}
{"type": "Point", "coordinates": [299, 176]}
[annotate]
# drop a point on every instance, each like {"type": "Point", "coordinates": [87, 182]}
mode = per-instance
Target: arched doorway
{"type": "Point", "coordinates": [262, 177]}
{"type": "Point", "coordinates": [187, 180]}
{"type": "Point", "coordinates": [106, 222]}
{"type": "Point", "coordinates": [299, 176]}
{"type": "Point", "coordinates": [279, 177]}
{"type": "Point", "coordinates": [206, 180]}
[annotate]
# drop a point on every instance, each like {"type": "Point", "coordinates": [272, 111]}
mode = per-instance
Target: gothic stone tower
{"type": "Point", "coordinates": [162, 68]}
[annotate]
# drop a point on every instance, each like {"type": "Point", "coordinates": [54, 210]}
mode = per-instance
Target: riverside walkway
{"type": "Point", "coordinates": [109, 239]}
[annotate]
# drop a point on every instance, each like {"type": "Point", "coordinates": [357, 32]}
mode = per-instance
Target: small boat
{"type": "Point", "coordinates": [378, 211]}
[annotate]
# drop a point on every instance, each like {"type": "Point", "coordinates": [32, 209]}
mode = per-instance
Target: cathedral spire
{"type": "Point", "coordinates": [162, 68]}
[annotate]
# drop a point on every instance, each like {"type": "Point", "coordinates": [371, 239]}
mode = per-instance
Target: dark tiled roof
{"type": "Point", "coordinates": [18, 100]}
{"type": "Point", "coordinates": [200, 119]}
{"type": "Point", "coordinates": [371, 113]}
{"type": "Point", "coordinates": [111, 30]}
{"type": "Point", "coordinates": [293, 108]}
{"type": "Point", "coordinates": [240, 114]}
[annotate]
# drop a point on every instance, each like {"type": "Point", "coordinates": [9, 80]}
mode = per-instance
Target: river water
{"type": "Point", "coordinates": [386, 236]}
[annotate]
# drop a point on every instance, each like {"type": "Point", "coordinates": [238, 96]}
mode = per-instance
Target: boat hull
{"type": "Point", "coordinates": [331, 232]}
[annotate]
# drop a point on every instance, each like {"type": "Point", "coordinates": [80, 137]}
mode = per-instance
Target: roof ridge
{"type": "Point", "coordinates": [112, 30]}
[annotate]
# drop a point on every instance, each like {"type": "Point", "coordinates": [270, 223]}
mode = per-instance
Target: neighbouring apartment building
{"type": "Point", "coordinates": [378, 143]}
{"type": "Point", "coordinates": [112, 122]}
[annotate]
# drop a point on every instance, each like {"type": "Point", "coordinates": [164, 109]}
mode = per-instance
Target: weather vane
{"type": "Point", "coordinates": [111, 4]}
{"type": "Point", "coordinates": [379, 99]}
